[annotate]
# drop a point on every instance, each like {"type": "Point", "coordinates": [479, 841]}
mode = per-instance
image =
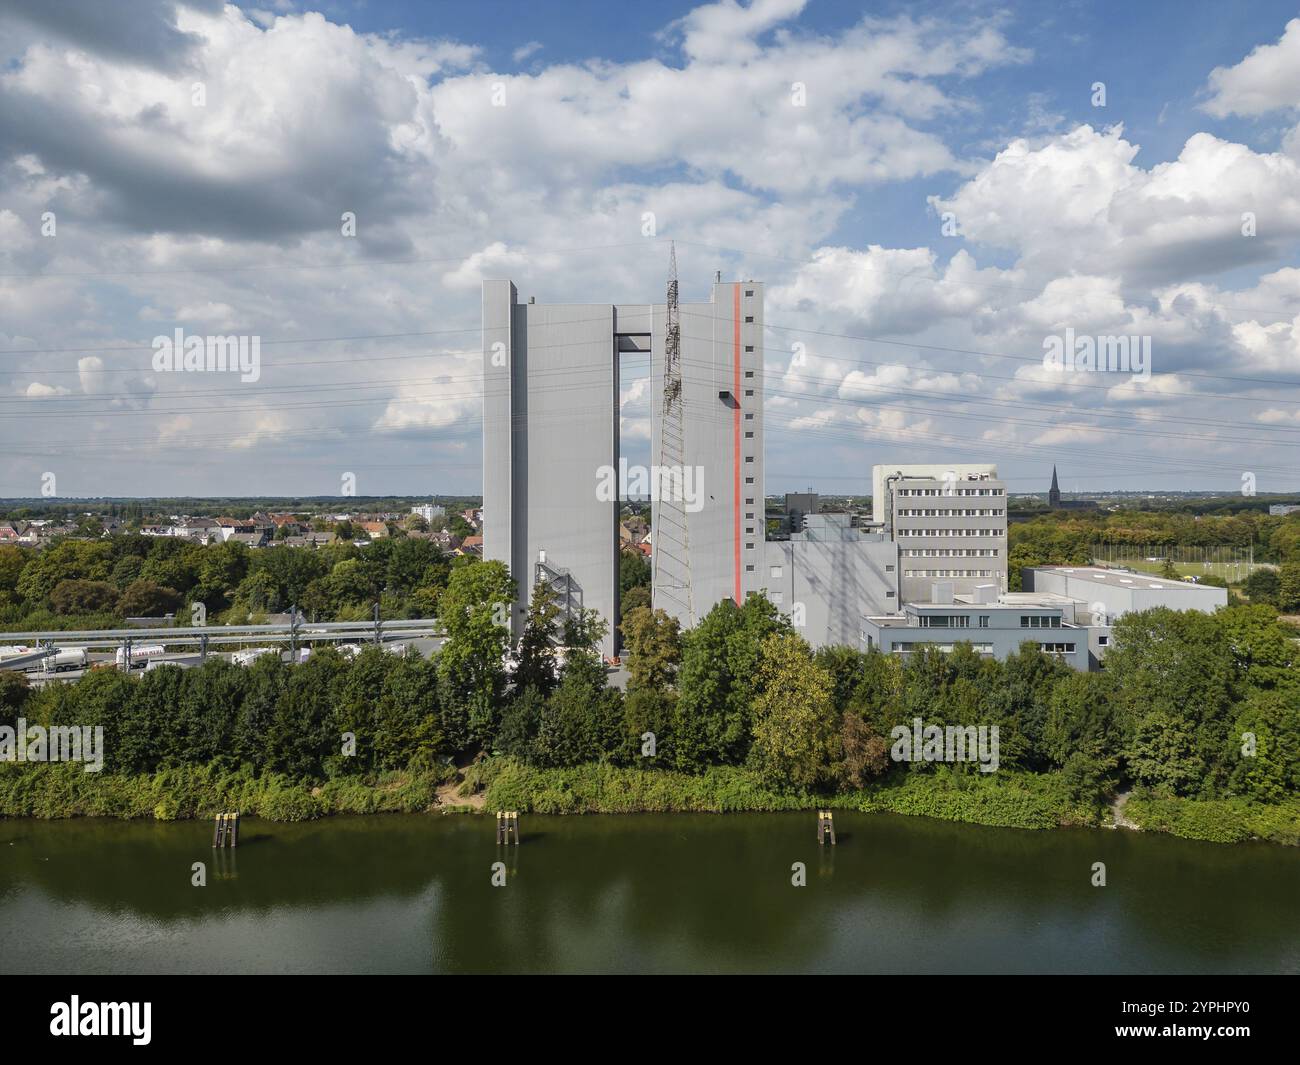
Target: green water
{"type": "Point", "coordinates": [414, 894]}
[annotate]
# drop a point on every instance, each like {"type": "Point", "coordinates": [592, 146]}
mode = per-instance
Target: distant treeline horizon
{"type": "Point", "coordinates": [138, 507]}
{"type": "Point", "coordinates": [203, 506]}
{"type": "Point", "coordinates": [69, 500]}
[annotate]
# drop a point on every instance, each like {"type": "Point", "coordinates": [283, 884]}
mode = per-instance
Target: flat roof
{"type": "Point", "coordinates": [1005, 601]}
{"type": "Point", "coordinates": [961, 478]}
{"type": "Point", "coordinates": [1019, 599]}
{"type": "Point", "coordinates": [1119, 578]}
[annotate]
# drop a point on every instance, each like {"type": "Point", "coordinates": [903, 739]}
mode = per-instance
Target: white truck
{"type": "Point", "coordinates": [140, 655]}
{"type": "Point", "coordinates": [18, 657]}
{"type": "Point", "coordinates": [65, 658]}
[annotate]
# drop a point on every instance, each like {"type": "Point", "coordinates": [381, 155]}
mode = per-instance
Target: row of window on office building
{"type": "Point", "coordinates": [950, 492]}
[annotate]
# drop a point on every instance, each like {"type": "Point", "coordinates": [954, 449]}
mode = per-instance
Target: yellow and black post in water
{"type": "Point", "coordinates": [226, 830]}
{"type": "Point", "coordinates": [825, 827]}
{"type": "Point", "coordinates": [507, 823]}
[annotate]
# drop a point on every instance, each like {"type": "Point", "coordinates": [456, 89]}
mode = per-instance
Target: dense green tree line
{"type": "Point", "coordinates": [1278, 588]}
{"type": "Point", "coordinates": [1182, 695]}
{"type": "Point", "coordinates": [1065, 537]}
{"type": "Point", "coordinates": [158, 509]}
{"type": "Point", "coordinates": [1189, 705]}
{"type": "Point", "coordinates": [270, 716]}
{"type": "Point", "coordinates": [92, 583]}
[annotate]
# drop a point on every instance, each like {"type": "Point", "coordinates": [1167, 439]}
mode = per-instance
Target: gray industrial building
{"type": "Point", "coordinates": [931, 568]}
{"type": "Point", "coordinates": [551, 416]}
{"type": "Point", "coordinates": [723, 541]}
{"type": "Point", "coordinates": [1112, 593]}
{"type": "Point", "coordinates": [550, 422]}
{"type": "Point", "coordinates": [1102, 596]}
{"type": "Point", "coordinates": [827, 573]}
{"type": "Point", "coordinates": [797, 506]}
{"type": "Point", "coordinates": [551, 438]}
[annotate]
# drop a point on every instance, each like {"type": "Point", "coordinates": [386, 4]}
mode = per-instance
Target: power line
{"type": "Point", "coordinates": [1270, 381]}
{"type": "Point", "coordinates": [794, 423]}
{"type": "Point", "coordinates": [440, 379]}
{"type": "Point", "coordinates": [344, 264]}
{"type": "Point", "coordinates": [865, 338]}
{"type": "Point", "coordinates": [929, 437]}
{"type": "Point", "coordinates": [1129, 296]}
{"type": "Point", "coordinates": [101, 349]}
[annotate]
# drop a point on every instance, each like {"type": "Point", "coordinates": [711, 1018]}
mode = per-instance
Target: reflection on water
{"type": "Point", "coordinates": [639, 893]}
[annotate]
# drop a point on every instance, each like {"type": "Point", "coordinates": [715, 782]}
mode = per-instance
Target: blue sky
{"type": "Point", "coordinates": [1152, 56]}
{"type": "Point", "coordinates": [222, 217]}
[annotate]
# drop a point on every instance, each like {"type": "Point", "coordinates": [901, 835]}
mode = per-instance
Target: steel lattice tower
{"type": "Point", "coordinates": [672, 543]}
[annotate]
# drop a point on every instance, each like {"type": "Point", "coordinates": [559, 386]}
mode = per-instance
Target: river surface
{"type": "Point", "coordinates": [644, 893]}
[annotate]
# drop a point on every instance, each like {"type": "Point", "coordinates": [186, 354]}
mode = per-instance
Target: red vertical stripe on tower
{"type": "Point", "coordinates": [735, 434]}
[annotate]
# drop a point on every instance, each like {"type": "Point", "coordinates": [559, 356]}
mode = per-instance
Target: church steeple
{"type": "Point", "coordinates": [1054, 493]}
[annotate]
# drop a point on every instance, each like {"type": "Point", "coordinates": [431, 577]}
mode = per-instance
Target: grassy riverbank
{"type": "Point", "coordinates": [1016, 800]}
{"type": "Point", "coordinates": [1218, 821]}
{"type": "Point", "coordinates": [55, 791]}
{"type": "Point", "coordinates": [1007, 799]}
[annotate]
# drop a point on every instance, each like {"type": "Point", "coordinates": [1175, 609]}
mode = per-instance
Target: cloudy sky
{"type": "Point", "coordinates": [931, 191]}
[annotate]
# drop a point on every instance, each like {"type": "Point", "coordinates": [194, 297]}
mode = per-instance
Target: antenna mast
{"type": "Point", "coordinates": [672, 544]}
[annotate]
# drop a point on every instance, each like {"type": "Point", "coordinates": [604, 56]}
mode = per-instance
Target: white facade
{"type": "Point", "coordinates": [951, 527]}
{"type": "Point", "coordinates": [881, 474]}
